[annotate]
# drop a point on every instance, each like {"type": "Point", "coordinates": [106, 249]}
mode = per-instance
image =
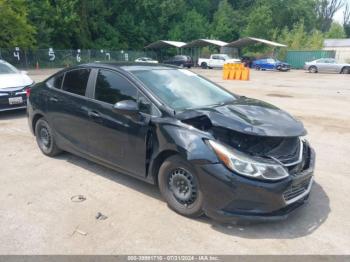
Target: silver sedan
{"type": "Point", "coordinates": [327, 65]}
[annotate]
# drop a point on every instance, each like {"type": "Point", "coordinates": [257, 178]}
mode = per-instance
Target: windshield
{"type": "Point", "coordinates": [6, 68]}
{"type": "Point", "coordinates": [182, 90]}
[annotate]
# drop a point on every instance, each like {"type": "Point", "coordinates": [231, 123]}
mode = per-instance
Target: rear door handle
{"type": "Point", "coordinates": [93, 114]}
{"type": "Point", "coordinates": [53, 99]}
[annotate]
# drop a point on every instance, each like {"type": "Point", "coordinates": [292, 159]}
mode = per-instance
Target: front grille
{"type": "Point", "coordinates": [296, 190]}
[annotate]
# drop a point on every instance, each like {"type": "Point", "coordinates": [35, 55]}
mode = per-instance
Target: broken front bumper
{"type": "Point", "coordinates": [230, 197]}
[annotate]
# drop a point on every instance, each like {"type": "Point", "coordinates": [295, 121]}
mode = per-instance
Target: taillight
{"type": "Point", "coordinates": [28, 92]}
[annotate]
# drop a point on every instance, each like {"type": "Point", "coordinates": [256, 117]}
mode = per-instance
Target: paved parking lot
{"type": "Point", "coordinates": [37, 215]}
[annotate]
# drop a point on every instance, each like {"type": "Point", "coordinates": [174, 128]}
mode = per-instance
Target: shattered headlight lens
{"type": "Point", "coordinates": [245, 165]}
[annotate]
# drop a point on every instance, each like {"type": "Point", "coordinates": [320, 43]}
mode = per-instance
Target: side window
{"type": "Point", "coordinates": [112, 88]}
{"type": "Point", "coordinates": [55, 81]}
{"type": "Point", "coordinates": [75, 81]}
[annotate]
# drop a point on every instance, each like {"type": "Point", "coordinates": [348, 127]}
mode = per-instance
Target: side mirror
{"type": "Point", "coordinates": [126, 107]}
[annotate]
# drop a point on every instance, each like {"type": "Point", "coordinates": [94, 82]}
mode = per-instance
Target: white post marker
{"type": "Point", "coordinates": [51, 54]}
{"type": "Point", "coordinates": [78, 56]}
{"type": "Point", "coordinates": [16, 53]}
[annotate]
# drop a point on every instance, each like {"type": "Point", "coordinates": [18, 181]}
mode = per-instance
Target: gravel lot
{"type": "Point", "coordinates": [37, 215]}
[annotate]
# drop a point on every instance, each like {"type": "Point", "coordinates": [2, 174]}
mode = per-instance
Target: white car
{"type": "Point", "coordinates": [217, 61]}
{"type": "Point", "coordinates": [146, 60]}
{"type": "Point", "coordinates": [13, 87]}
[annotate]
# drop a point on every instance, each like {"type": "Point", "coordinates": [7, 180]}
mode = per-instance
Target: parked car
{"type": "Point", "coordinates": [217, 61]}
{"type": "Point", "coordinates": [13, 86]}
{"type": "Point", "coordinates": [247, 61]}
{"type": "Point", "coordinates": [209, 151]}
{"type": "Point", "coordinates": [146, 60]}
{"type": "Point", "coordinates": [180, 60]}
{"type": "Point", "coordinates": [329, 65]}
{"type": "Point", "coordinates": [270, 64]}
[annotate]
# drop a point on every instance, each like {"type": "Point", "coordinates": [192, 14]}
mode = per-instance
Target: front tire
{"type": "Point", "coordinates": [45, 138]}
{"type": "Point", "coordinates": [179, 186]}
{"type": "Point", "coordinates": [313, 69]}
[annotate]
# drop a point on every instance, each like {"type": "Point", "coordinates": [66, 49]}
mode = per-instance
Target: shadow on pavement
{"type": "Point", "coordinates": [115, 176]}
{"type": "Point", "coordinates": [301, 222]}
{"type": "Point", "coordinates": [12, 114]}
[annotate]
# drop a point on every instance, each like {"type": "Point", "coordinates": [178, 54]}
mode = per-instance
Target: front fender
{"type": "Point", "coordinates": [187, 142]}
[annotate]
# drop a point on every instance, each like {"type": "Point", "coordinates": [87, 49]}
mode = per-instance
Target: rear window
{"type": "Point", "coordinates": [75, 81]}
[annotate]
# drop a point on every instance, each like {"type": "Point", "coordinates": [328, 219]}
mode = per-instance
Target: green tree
{"type": "Point", "coordinates": [192, 26]}
{"type": "Point", "coordinates": [260, 23]}
{"type": "Point", "coordinates": [336, 31]}
{"type": "Point", "coordinates": [226, 22]}
{"type": "Point", "coordinates": [14, 27]}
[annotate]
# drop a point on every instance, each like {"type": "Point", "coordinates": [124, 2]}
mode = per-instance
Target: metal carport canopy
{"type": "Point", "coordinates": [204, 42]}
{"type": "Point", "coordinates": [165, 43]}
{"type": "Point", "coordinates": [252, 40]}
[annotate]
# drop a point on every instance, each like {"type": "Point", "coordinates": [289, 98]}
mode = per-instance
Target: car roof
{"type": "Point", "coordinates": [129, 66]}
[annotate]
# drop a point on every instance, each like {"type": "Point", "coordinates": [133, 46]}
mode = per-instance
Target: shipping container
{"type": "Point", "coordinates": [297, 59]}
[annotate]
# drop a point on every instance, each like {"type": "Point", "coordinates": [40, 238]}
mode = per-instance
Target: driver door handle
{"type": "Point", "coordinates": [53, 99]}
{"type": "Point", "coordinates": [93, 114]}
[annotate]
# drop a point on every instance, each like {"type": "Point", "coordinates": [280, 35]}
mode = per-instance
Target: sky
{"type": "Point", "coordinates": [339, 15]}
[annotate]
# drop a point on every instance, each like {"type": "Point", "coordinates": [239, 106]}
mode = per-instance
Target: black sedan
{"type": "Point", "coordinates": [209, 151]}
{"type": "Point", "coordinates": [180, 60]}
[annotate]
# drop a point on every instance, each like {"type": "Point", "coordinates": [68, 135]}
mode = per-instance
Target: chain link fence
{"type": "Point", "coordinates": [51, 58]}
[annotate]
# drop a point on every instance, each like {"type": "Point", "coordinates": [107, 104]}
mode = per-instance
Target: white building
{"type": "Point", "coordinates": [341, 48]}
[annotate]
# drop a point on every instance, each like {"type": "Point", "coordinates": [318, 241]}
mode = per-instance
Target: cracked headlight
{"type": "Point", "coordinates": [247, 166]}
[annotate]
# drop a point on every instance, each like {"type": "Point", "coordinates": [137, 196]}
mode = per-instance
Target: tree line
{"type": "Point", "coordinates": [132, 24]}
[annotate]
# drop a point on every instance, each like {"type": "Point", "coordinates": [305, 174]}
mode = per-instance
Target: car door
{"type": "Point", "coordinates": [321, 65]}
{"type": "Point", "coordinates": [215, 61]}
{"type": "Point", "coordinates": [270, 64]}
{"type": "Point", "coordinates": [115, 138]}
{"type": "Point", "coordinates": [65, 109]}
{"type": "Point", "coordinates": [221, 61]}
{"type": "Point", "coordinates": [179, 60]}
{"type": "Point", "coordinates": [332, 65]}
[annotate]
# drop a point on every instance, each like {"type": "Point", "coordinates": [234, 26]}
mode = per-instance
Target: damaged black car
{"type": "Point", "coordinates": [209, 151]}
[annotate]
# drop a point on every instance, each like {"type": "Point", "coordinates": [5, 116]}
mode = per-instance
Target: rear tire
{"type": "Point", "coordinates": [345, 70]}
{"type": "Point", "coordinates": [204, 65]}
{"type": "Point", "coordinates": [313, 69]}
{"type": "Point", "coordinates": [257, 68]}
{"type": "Point", "coordinates": [179, 186]}
{"type": "Point", "coordinates": [45, 138]}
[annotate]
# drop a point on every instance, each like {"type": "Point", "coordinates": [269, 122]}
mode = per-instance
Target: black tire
{"type": "Point", "coordinates": [313, 69]}
{"type": "Point", "coordinates": [45, 138]}
{"type": "Point", "coordinates": [345, 70]}
{"type": "Point", "coordinates": [204, 65]}
{"type": "Point", "coordinates": [178, 184]}
{"type": "Point", "coordinates": [257, 68]}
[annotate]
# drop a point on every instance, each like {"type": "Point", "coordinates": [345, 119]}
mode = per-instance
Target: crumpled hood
{"type": "Point", "coordinates": [250, 116]}
{"type": "Point", "coordinates": [14, 80]}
